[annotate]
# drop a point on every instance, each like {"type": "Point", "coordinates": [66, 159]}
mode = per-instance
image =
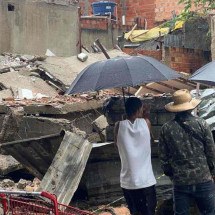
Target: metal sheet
{"type": "Point", "coordinates": [206, 108]}
{"type": "Point", "coordinates": [35, 154]}
{"type": "Point", "coordinates": [173, 40]}
{"type": "Point", "coordinates": [197, 28]}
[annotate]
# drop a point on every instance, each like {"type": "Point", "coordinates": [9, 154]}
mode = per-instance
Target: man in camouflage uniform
{"type": "Point", "coordinates": [187, 153]}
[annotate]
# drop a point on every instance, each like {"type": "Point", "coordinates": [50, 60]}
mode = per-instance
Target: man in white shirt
{"type": "Point", "coordinates": [132, 137]}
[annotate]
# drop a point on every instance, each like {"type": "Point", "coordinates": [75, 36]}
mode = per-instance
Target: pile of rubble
{"type": "Point", "coordinates": [66, 142]}
{"type": "Point", "coordinates": [22, 184]}
{"type": "Point", "coordinates": [20, 78]}
{"type": "Point", "coordinates": [36, 77]}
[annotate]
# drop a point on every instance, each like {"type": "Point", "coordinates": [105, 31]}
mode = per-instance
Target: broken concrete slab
{"type": "Point", "coordinates": [42, 126]}
{"type": "Point", "coordinates": [8, 164]}
{"type": "Point", "coordinates": [99, 125]}
{"type": "Point", "coordinates": [65, 172]}
{"type": "Point", "coordinates": [66, 69]}
{"type": "Point", "coordinates": [63, 108]}
{"type": "Point", "coordinates": [42, 123]}
{"type": "Point", "coordinates": [33, 133]}
{"type": "Point", "coordinates": [14, 81]}
{"type": "Point", "coordinates": [10, 125]}
{"type": "Point", "coordinates": [35, 154]}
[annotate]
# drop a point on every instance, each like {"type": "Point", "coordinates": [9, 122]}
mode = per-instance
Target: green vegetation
{"type": "Point", "coordinates": [184, 16]}
{"type": "Point", "coordinates": [202, 9]}
{"type": "Point", "coordinates": [203, 5]}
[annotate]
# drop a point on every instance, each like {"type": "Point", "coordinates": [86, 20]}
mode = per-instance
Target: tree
{"type": "Point", "coordinates": [204, 5]}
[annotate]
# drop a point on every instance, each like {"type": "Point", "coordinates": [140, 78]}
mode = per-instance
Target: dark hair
{"type": "Point", "coordinates": [132, 105]}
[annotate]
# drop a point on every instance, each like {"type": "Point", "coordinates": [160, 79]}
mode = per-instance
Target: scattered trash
{"type": "Point", "coordinates": [49, 53]}
{"type": "Point", "coordinates": [25, 94]}
{"type": "Point", "coordinates": [82, 57]}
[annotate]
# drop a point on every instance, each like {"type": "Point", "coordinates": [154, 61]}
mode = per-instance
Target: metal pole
{"type": "Point", "coordinates": [102, 48]}
{"type": "Point", "coordinates": [79, 26]}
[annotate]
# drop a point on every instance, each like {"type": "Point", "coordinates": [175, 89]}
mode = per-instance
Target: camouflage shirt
{"type": "Point", "coordinates": [184, 158]}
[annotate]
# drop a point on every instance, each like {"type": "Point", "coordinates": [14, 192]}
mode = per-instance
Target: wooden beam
{"type": "Point", "coordinates": [185, 81]}
{"type": "Point", "coordinates": [152, 89]}
{"type": "Point", "coordinates": [168, 86]}
{"type": "Point", "coordinates": [130, 33]}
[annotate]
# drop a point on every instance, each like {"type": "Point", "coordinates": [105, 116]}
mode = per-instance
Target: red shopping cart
{"type": "Point", "coordinates": [35, 203]}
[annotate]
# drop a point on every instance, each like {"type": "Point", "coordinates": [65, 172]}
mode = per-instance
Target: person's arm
{"type": "Point", "coordinates": [150, 128]}
{"type": "Point", "coordinates": [146, 116]}
{"type": "Point", "coordinates": [116, 129]}
{"type": "Point", "coordinates": [209, 148]}
{"type": "Point", "coordinates": [164, 155]}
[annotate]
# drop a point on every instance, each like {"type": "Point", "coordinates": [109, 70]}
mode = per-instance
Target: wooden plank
{"type": "Point", "coordinates": [65, 172]}
{"type": "Point", "coordinates": [130, 33]}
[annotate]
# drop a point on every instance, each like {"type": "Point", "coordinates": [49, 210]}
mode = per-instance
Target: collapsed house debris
{"type": "Point", "coordinates": [34, 77]}
{"type": "Point", "coordinates": [66, 69]}
{"type": "Point", "coordinates": [47, 131]}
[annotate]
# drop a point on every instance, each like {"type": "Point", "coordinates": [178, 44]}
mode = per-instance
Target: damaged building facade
{"type": "Point", "coordinates": [146, 14]}
{"type": "Point", "coordinates": [176, 48]}
{"type": "Point", "coordinates": [67, 141]}
{"type": "Point", "coordinates": [32, 27]}
{"type": "Point", "coordinates": [50, 120]}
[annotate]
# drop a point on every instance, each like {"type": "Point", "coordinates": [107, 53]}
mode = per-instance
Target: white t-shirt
{"type": "Point", "coordinates": [133, 141]}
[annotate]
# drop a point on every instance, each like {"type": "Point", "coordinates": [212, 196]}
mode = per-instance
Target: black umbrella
{"type": "Point", "coordinates": [121, 72]}
{"type": "Point", "coordinates": [205, 75]}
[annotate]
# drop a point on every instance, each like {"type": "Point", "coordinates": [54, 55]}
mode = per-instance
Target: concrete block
{"type": "Point", "coordinates": [99, 125]}
{"type": "Point", "coordinates": [8, 164]}
{"type": "Point", "coordinates": [22, 184]}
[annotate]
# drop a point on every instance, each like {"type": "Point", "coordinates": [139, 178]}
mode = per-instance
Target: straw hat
{"type": "Point", "coordinates": [182, 101]}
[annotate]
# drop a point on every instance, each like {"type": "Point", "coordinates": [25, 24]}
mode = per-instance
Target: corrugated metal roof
{"type": "Point", "coordinates": [172, 40]}
{"type": "Point", "coordinates": [206, 108]}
